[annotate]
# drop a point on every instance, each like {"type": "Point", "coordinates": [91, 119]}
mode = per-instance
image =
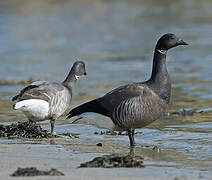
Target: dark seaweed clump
{"type": "Point", "coordinates": [108, 132]}
{"type": "Point", "coordinates": [33, 171]}
{"type": "Point", "coordinates": [24, 129]}
{"type": "Point", "coordinates": [115, 161]}
{"type": "Point", "coordinates": [182, 112]}
{"type": "Point", "coordinates": [113, 133]}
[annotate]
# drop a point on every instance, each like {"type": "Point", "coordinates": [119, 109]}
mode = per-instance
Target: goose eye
{"type": "Point", "coordinates": [171, 38]}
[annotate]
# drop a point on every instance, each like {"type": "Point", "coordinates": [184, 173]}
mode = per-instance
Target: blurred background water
{"type": "Point", "coordinates": [116, 38]}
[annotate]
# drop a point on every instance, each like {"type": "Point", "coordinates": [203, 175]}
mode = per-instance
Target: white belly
{"type": "Point", "coordinates": [34, 109]}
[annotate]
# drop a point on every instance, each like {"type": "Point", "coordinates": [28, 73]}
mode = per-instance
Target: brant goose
{"type": "Point", "coordinates": [42, 100]}
{"type": "Point", "coordinates": [138, 104]}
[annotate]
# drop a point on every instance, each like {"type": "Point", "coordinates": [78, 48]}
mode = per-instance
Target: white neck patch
{"type": "Point", "coordinates": [162, 51]}
{"type": "Point", "coordinates": [77, 77]}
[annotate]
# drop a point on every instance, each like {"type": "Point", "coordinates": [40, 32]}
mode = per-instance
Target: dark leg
{"type": "Point", "coordinates": [52, 121]}
{"type": "Point", "coordinates": [131, 133]}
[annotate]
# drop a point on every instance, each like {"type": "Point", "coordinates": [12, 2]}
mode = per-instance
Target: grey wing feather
{"type": "Point", "coordinates": [131, 105]}
{"type": "Point", "coordinates": [38, 83]}
{"type": "Point", "coordinates": [105, 105]}
{"type": "Point", "coordinates": [114, 98]}
{"type": "Point", "coordinates": [39, 90]}
{"type": "Point", "coordinates": [59, 102]}
{"type": "Point", "coordinates": [138, 111]}
{"type": "Point", "coordinates": [126, 112]}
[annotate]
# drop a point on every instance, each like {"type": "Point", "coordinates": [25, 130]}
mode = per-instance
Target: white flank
{"type": "Point", "coordinates": [77, 77]}
{"type": "Point", "coordinates": [35, 109]}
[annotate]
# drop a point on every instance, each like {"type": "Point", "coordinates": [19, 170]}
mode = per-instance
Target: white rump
{"type": "Point", "coordinates": [34, 109]}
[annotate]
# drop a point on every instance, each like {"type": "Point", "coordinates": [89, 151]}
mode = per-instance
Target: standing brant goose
{"type": "Point", "coordinates": [42, 100]}
{"type": "Point", "coordinates": [138, 104]}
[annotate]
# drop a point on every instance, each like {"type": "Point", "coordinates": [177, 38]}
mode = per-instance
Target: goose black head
{"type": "Point", "coordinates": [168, 41]}
{"type": "Point", "coordinates": [78, 69]}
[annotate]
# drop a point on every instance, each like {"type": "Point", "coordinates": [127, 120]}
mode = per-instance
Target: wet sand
{"type": "Point", "coordinates": [68, 155]}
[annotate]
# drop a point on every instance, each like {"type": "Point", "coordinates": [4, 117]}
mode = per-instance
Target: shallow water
{"type": "Point", "coordinates": [42, 39]}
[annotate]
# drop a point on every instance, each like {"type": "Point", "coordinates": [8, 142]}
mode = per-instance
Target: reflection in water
{"type": "Point", "coordinates": [132, 151]}
{"type": "Point", "coordinates": [42, 39]}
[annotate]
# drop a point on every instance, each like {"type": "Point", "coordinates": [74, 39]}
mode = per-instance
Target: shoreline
{"type": "Point", "coordinates": [68, 155]}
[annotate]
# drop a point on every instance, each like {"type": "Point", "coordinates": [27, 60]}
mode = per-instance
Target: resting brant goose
{"type": "Point", "coordinates": [42, 100]}
{"type": "Point", "coordinates": [138, 104]}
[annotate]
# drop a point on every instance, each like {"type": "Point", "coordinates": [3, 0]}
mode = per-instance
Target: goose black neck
{"type": "Point", "coordinates": [159, 81]}
{"type": "Point", "coordinates": [70, 79]}
{"type": "Point", "coordinates": [159, 66]}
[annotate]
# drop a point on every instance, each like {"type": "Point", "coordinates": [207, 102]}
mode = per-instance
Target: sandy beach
{"type": "Point", "coordinates": [49, 154]}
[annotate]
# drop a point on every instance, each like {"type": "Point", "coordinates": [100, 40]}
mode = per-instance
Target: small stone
{"type": "Point", "coordinates": [99, 144]}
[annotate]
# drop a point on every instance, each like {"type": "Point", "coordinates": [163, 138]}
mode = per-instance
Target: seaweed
{"type": "Point", "coordinates": [25, 130]}
{"type": "Point", "coordinates": [33, 171]}
{"type": "Point", "coordinates": [115, 161]}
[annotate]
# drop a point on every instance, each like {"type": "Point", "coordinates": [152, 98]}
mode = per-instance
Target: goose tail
{"type": "Point", "coordinates": [91, 106]}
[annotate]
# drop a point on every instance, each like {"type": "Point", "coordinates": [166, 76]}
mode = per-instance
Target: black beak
{"type": "Point", "coordinates": [85, 73]}
{"type": "Point", "coordinates": [181, 42]}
